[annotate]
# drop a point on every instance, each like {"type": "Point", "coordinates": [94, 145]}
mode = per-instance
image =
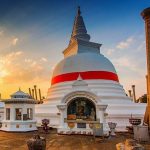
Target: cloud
{"type": "Point", "coordinates": [1, 32]}
{"type": "Point", "coordinates": [9, 58]}
{"type": "Point", "coordinates": [43, 59]}
{"type": "Point", "coordinates": [33, 62]}
{"type": "Point", "coordinates": [142, 46]}
{"type": "Point", "coordinates": [14, 41]}
{"type": "Point", "coordinates": [128, 65]}
{"type": "Point", "coordinates": [27, 60]}
{"type": "Point", "coordinates": [125, 44]}
{"type": "Point", "coordinates": [13, 54]}
{"type": "Point", "coordinates": [123, 62]}
{"type": "Point", "coordinates": [110, 51]}
{"type": "Point", "coordinates": [123, 66]}
{"type": "Point", "coordinates": [7, 42]}
{"type": "Point", "coordinates": [15, 68]}
{"type": "Point", "coordinates": [129, 59]}
{"type": "Point", "coordinates": [22, 63]}
{"type": "Point", "coordinates": [131, 71]}
{"type": "Point", "coordinates": [3, 73]}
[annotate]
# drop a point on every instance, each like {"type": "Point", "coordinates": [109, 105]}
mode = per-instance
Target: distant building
{"type": "Point", "coordinates": [19, 113]}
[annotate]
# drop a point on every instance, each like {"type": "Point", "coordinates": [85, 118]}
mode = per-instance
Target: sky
{"type": "Point", "coordinates": [33, 34]}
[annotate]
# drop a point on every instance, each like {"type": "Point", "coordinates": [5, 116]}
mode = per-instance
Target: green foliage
{"type": "Point", "coordinates": [142, 99]}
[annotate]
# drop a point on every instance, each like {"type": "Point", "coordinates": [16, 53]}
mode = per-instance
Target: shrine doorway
{"type": "Point", "coordinates": [81, 108]}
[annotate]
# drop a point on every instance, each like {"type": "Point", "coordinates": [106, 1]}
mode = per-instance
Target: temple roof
{"type": "Point", "coordinates": [20, 94]}
{"type": "Point", "coordinates": [20, 97]}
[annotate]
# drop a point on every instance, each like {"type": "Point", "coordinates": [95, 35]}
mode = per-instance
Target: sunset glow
{"type": "Point", "coordinates": [31, 43]}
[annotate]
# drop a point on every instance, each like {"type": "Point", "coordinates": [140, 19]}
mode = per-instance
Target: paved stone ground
{"type": "Point", "coordinates": [17, 141]}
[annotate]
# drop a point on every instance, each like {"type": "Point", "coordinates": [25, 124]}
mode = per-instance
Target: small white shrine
{"type": "Point", "coordinates": [19, 113]}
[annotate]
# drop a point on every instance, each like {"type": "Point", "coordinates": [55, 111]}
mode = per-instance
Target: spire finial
{"type": "Point", "coordinates": [19, 89]}
{"type": "Point", "coordinates": [79, 12]}
{"type": "Point", "coordinates": [79, 77]}
{"type": "Point", "coordinates": [79, 30]}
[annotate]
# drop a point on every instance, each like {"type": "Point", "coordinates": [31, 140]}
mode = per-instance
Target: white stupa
{"type": "Point", "coordinates": [19, 113]}
{"type": "Point", "coordinates": [85, 89]}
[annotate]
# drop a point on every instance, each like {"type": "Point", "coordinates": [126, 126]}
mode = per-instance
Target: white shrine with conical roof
{"type": "Point", "coordinates": [85, 89]}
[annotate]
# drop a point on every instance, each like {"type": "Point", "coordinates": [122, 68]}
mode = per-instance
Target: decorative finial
{"type": "Point", "coordinates": [79, 30]}
{"type": "Point", "coordinates": [79, 12]}
{"type": "Point", "coordinates": [79, 77]}
{"type": "Point", "coordinates": [19, 89]}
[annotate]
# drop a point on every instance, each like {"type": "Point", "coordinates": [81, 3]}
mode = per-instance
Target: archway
{"type": "Point", "coordinates": [81, 108]}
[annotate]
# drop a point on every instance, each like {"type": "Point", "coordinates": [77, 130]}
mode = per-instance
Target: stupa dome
{"type": "Point", "coordinates": [85, 87]}
{"type": "Point", "coordinates": [83, 57]}
{"type": "Point", "coordinates": [88, 65]}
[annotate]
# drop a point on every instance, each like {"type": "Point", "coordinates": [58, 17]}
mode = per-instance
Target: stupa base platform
{"type": "Point", "coordinates": [18, 126]}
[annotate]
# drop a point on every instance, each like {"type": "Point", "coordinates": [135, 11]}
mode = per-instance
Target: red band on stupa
{"type": "Point", "coordinates": [88, 75]}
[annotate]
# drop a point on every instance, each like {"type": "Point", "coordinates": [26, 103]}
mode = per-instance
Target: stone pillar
{"type": "Point", "coordinates": [62, 109]}
{"type": "Point", "coordinates": [101, 109]}
{"type": "Point", "coordinates": [134, 96]}
{"type": "Point", "coordinates": [40, 95]}
{"type": "Point", "coordinates": [5, 113]}
{"type": "Point", "coordinates": [33, 112]}
{"type": "Point", "coordinates": [129, 93]}
{"type": "Point", "coordinates": [30, 92]}
{"type": "Point", "coordinates": [12, 118]}
{"type": "Point", "coordinates": [147, 86]}
{"type": "Point", "coordinates": [146, 16]}
{"type": "Point", "coordinates": [35, 92]}
{"type": "Point", "coordinates": [101, 115]}
{"type": "Point", "coordinates": [13, 114]}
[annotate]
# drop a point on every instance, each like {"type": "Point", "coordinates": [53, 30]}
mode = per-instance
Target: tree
{"type": "Point", "coordinates": [142, 99]}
